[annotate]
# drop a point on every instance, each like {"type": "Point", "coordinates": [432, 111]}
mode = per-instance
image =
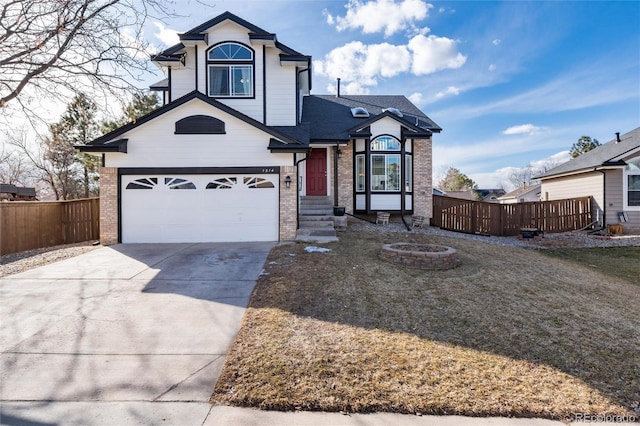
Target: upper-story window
{"type": "Point", "coordinates": [230, 71]}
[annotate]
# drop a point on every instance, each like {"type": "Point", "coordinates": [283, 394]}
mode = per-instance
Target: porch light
{"type": "Point", "coordinates": [287, 181]}
{"type": "Point", "coordinates": [339, 153]}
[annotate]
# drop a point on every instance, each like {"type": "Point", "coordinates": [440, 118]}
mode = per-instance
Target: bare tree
{"type": "Point", "coordinates": [14, 169]}
{"type": "Point", "coordinates": [79, 45]}
{"type": "Point", "coordinates": [42, 169]}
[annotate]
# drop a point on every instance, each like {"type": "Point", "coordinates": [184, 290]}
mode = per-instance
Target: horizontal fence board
{"type": "Point", "coordinates": [27, 225]}
{"type": "Point", "coordinates": [480, 217]}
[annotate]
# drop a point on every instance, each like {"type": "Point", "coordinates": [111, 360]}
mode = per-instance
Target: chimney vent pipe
{"type": "Point", "coordinates": [338, 95]}
{"type": "Point", "coordinates": [618, 137]}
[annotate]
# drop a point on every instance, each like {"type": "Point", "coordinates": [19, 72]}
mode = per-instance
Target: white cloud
{"type": "Point", "coordinates": [451, 90]}
{"type": "Point", "coordinates": [431, 54]}
{"type": "Point", "coordinates": [492, 67]}
{"type": "Point", "coordinates": [357, 62]}
{"type": "Point", "coordinates": [167, 36]}
{"type": "Point", "coordinates": [416, 98]}
{"type": "Point", "coordinates": [528, 129]}
{"type": "Point", "coordinates": [496, 42]}
{"type": "Point", "coordinates": [362, 63]}
{"type": "Point", "coordinates": [380, 15]}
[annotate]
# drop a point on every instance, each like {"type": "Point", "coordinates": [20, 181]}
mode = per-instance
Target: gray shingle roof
{"type": "Point", "coordinates": [599, 156]}
{"type": "Point", "coordinates": [330, 116]}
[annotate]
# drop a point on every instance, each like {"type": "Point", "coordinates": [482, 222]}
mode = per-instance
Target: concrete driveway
{"type": "Point", "coordinates": [122, 325]}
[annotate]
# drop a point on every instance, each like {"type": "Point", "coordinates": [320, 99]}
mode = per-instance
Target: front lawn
{"type": "Point", "coordinates": [510, 332]}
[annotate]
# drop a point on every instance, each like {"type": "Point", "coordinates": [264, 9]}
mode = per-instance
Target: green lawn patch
{"type": "Point", "coordinates": [509, 332]}
{"type": "Point", "coordinates": [618, 262]}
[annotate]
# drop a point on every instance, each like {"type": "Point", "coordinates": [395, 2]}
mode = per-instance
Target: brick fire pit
{"type": "Point", "coordinates": [421, 256]}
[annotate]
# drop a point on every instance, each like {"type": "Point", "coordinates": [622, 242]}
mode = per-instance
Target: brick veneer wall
{"type": "Point", "coordinates": [288, 204]}
{"type": "Point", "coordinates": [108, 205]}
{"type": "Point", "coordinates": [345, 177]}
{"type": "Point", "coordinates": [422, 179]}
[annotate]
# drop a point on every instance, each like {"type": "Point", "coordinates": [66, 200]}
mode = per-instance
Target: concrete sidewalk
{"type": "Point", "coordinates": [200, 413]}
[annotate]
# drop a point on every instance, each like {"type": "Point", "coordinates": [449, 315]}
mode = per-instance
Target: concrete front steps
{"type": "Point", "coordinates": [316, 220]}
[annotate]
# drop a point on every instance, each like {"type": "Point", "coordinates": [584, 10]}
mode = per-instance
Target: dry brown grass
{"type": "Point", "coordinates": [509, 332]}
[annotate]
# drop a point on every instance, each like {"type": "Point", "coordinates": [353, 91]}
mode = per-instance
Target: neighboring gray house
{"type": "Point", "coordinates": [240, 143]}
{"type": "Point", "coordinates": [609, 173]}
{"type": "Point", "coordinates": [523, 194]}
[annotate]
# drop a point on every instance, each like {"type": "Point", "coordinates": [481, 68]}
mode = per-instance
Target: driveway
{"type": "Point", "coordinates": [123, 324]}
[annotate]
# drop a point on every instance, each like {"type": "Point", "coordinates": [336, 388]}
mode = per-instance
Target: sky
{"type": "Point", "coordinates": [511, 83]}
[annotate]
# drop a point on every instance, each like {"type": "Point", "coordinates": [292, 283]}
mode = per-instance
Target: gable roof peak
{"type": "Point", "coordinates": [223, 17]}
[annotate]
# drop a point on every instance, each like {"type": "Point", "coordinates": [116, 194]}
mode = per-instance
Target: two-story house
{"type": "Point", "coordinates": [240, 141]}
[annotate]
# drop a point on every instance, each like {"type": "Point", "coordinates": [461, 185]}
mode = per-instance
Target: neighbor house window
{"type": "Point", "coordinates": [230, 70]}
{"type": "Point", "coordinates": [632, 184]}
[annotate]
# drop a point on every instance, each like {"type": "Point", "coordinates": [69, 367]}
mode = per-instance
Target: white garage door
{"type": "Point", "coordinates": [199, 208]}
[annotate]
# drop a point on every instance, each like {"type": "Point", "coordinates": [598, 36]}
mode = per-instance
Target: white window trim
{"type": "Point", "coordinates": [231, 64]}
{"type": "Point", "coordinates": [625, 190]}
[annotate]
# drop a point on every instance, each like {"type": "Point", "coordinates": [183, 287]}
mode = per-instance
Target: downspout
{"type": "Point", "coordinates": [296, 163]}
{"type": "Point", "coordinates": [335, 175]}
{"type": "Point", "coordinates": [403, 186]}
{"type": "Point", "coordinates": [604, 197]}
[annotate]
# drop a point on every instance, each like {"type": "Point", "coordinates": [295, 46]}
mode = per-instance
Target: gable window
{"type": "Point", "coordinates": [631, 183]}
{"type": "Point", "coordinates": [230, 71]}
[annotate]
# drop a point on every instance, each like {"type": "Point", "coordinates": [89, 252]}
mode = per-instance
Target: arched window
{"type": "Point", "coordinates": [230, 71]}
{"type": "Point", "coordinates": [385, 165]}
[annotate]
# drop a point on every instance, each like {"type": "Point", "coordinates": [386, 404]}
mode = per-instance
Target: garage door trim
{"type": "Point", "coordinates": [122, 171]}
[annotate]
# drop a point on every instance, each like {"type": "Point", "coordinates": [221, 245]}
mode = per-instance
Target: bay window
{"type": "Point", "coordinates": [381, 168]}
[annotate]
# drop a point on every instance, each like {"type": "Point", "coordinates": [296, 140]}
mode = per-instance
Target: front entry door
{"type": "Point", "coordinates": [317, 172]}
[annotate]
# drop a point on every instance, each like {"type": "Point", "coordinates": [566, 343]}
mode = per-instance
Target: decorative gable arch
{"type": "Point", "coordinates": [200, 125]}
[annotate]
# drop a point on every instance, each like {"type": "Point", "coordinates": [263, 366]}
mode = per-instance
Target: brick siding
{"type": "Point", "coordinates": [108, 205]}
{"type": "Point", "coordinates": [288, 204]}
{"type": "Point", "coordinates": [422, 179]}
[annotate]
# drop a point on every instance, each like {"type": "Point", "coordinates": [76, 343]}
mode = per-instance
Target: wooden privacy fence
{"type": "Point", "coordinates": [479, 217]}
{"type": "Point", "coordinates": [26, 225]}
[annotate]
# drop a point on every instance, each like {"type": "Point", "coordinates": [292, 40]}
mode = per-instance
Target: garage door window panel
{"type": "Point", "coordinates": [146, 183]}
{"type": "Point", "coordinates": [258, 183]}
{"type": "Point", "coordinates": [222, 183]}
{"type": "Point", "coordinates": [177, 183]}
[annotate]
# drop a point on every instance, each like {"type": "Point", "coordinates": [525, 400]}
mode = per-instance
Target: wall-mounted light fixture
{"type": "Point", "coordinates": [287, 181]}
{"type": "Point", "coordinates": [339, 153]}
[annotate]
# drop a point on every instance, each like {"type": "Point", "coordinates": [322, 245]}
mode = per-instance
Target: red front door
{"type": "Point", "coordinates": [317, 172]}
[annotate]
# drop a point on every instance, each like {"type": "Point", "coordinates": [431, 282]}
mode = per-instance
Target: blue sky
{"type": "Point", "coordinates": [511, 83]}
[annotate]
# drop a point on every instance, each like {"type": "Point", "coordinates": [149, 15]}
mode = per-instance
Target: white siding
{"type": "Point", "coordinates": [281, 91]}
{"type": "Point", "coordinates": [385, 202]}
{"type": "Point", "coordinates": [154, 144]}
{"type": "Point", "coordinates": [386, 126]}
{"type": "Point", "coordinates": [183, 79]}
{"type": "Point", "coordinates": [583, 185]}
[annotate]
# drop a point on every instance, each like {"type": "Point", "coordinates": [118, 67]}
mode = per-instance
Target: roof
{"type": "Point", "coordinates": [608, 154]}
{"type": "Point", "coordinates": [199, 33]}
{"type": "Point", "coordinates": [521, 191]}
{"type": "Point", "coordinates": [111, 142]}
{"type": "Point", "coordinates": [332, 120]}
{"type": "Point", "coordinates": [7, 188]}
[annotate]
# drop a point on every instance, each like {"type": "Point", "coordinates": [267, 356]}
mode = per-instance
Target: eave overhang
{"type": "Point", "coordinates": [193, 39]}
{"type": "Point", "coordinates": [118, 145]}
{"type": "Point", "coordinates": [278, 146]}
{"type": "Point", "coordinates": [263, 39]}
{"type": "Point", "coordinates": [298, 60]}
